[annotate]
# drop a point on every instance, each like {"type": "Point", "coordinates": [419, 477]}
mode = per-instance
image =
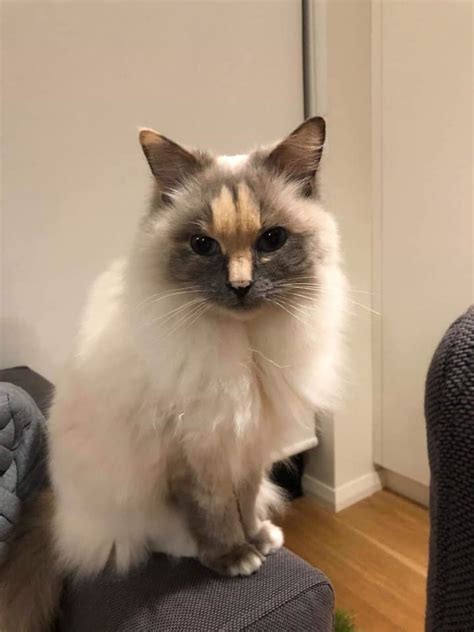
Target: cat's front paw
{"type": "Point", "coordinates": [269, 538]}
{"type": "Point", "coordinates": [242, 559]}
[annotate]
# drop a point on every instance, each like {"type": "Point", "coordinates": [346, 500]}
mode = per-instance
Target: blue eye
{"type": "Point", "coordinates": [272, 239]}
{"type": "Point", "coordinates": [204, 245]}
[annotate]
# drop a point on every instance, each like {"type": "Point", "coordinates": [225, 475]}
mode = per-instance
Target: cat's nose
{"type": "Point", "coordinates": [240, 290]}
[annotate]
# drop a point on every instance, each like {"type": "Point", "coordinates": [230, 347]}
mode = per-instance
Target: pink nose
{"type": "Point", "coordinates": [240, 290]}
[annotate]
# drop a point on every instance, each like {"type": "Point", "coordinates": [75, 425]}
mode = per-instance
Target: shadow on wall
{"type": "Point", "coordinates": [20, 345]}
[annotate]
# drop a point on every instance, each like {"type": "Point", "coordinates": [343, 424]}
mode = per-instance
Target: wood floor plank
{"type": "Point", "coordinates": [394, 522]}
{"type": "Point", "coordinates": [375, 554]}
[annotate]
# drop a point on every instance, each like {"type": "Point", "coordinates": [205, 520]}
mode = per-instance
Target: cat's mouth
{"type": "Point", "coordinates": [244, 308]}
{"type": "Point", "coordinates": [242, 303]}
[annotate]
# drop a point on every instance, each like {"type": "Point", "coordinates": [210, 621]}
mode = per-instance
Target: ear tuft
{"type": "Point", "coordinates": [147, 136]}
{"type": "Point", "coordinates": [297, 157]}
{"type": "Point", "coordinates": [170, 163]}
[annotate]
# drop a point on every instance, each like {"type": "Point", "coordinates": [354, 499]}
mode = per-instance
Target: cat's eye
{"type": "Point", "coordinates": [204, 245]}
{"type": "Point", "coordinates": [272, 239]}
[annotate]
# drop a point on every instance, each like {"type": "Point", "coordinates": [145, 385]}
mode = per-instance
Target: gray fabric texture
{"type": "Point", "coordinates": [449, 407]}
{"type": "Point", "coordinates": [22, 454]}
{"type": "Point", "coordinates": [285, 595]}
{"type": "Point", "coordinates": [37, 386]}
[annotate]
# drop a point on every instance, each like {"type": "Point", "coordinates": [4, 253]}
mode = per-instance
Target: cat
{"type": "Point", "coordinates": [198, 356]}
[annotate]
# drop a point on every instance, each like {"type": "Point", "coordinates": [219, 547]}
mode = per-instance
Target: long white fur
{"type": "Point", "coordinates": [132, 389]}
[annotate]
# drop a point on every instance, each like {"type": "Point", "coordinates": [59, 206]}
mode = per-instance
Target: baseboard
{"type": "Point", "coordinates": [337, 498]}
{"type": "Point", "coordinates": [415, 491]}
{"type": "Point", "coordinates": [324, 494]}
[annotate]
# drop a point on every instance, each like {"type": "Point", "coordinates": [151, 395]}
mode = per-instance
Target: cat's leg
{"type": "Point", "coordinates": [247, 494]}
{"type": "Point", "coordinates": [169, 532]}
{"type": "Point", "coordinates": [255, 495]}
{"type": "Point", "coordinates": [269, 538]}
{"type": "Point", "coordinates": [210, 507]}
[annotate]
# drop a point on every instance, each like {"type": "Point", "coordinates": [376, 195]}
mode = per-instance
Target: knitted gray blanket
{"type": "Point", "coordinates": [22, 454]}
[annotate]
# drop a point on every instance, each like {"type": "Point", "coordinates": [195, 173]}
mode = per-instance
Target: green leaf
{"type": "Point", "coordinates": [343, 622]}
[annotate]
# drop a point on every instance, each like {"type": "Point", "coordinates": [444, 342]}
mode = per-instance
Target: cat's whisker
{"type": "Point", "coordinates": [299, 307]}
{"type": "Point", "coordinates": [278, 366]}
{"type": "Point", "coordinates": [289, 282]}
{"type": "Point", "coordinates": [190, 320]}
{"type": "Point", "coordinates": [309, 296]}
{"type": "Point", "coordinates": [304, 308]}
{"type": "Point", "coordinates": [368, 309]}
{"type": "Point", "coordinates": [184, 319]}
{"type": "Point", "coordinates": [168, 290]}
{"type": "Point", "coordinates": [313, 278]}
{"type": "Point", "coordinates": [303, 276]}
{"type": "Point", "coordinates": [176, 310]}
{"type": "Point", "coordinates": [172, 314]}
{"type": "Point", "coordinates": [304, 292]}
{"type": "Point", "coordinates": [153, 302]}
{"type": "Point", "coordinates": [280, 304]}
{"type": "Point", "coordinates": [362, 292]}
{"type": "Point", "coordinates": [168, 332]}
{"type": "Point", "coordinates": [308, 299]}
{"type": "Point", "coordinates": [165, 294]}
{"type": "Point", "coordinates": [205, 309]}
{"type": "Point", "coordinates": [319, 287]}
{"type": "Point", "coordinates": [311, 292]}
{"type": "Point", "coordinates": [308, 285]}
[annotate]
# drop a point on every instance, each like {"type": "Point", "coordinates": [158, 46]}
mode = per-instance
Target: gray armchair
{"type": "Point", "coordinates": [449, 407]}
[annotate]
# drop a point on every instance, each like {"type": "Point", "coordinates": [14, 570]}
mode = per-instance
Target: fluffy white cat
{"type": "Point", "coordinates": [199, 357]}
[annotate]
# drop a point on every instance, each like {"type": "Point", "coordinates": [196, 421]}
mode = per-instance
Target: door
{"type": "Point", "coordinates": [423, 236]}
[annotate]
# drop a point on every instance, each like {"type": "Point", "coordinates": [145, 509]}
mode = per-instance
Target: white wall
{"type": "Point", "coordinates": [396, 85]}
{"type": "Point", "coordinates": [341, 469]}
{"type": "Point", "coordinates": [78, 79]}
{"type": "Point", "coordinates": [424, 212]}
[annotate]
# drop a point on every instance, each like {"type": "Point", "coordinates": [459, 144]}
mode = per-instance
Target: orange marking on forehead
{"type": "Point", "coordinates": [224, 213]}
{"type": "Point", "coordinates": [248, 211]}
{"type": "Point", "coordinates": [235, 222]}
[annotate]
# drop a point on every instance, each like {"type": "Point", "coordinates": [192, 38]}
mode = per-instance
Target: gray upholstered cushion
{"type": "Point", "coordinates": [285, 595]}
{"type": "Point", "coordinates": [38, 387]}
{"type": "Point", "coordinates": [450, 422]}
{"type": "Point", "coordinates": [22, 452]}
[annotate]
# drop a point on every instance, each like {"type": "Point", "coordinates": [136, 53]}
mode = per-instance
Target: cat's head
{"type": "Point", "coordinates": [239, 229]}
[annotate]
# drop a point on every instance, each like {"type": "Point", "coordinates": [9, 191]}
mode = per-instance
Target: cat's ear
{"type": "Point", "coordinates": [297, 156]}
{"type": "Point", "coordinates": [169, 162]}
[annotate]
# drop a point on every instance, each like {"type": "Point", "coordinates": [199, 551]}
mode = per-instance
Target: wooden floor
{"type": "Point", "coordinates": [375, 554]}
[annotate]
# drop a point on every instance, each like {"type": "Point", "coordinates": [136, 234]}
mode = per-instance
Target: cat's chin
{"type": "Point", "coordinates": [243, 314]}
